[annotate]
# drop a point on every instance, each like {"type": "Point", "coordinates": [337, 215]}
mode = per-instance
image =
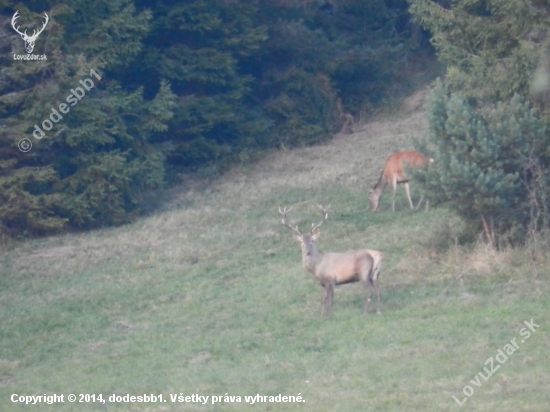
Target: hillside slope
{"type": "Point", "coordinates": [209, 297]}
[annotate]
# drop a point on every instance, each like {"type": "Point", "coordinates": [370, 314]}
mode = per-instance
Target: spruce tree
{"type": "Point", "coordinates": [486, 161]}
{"type": "Point", "coordinates": [201, 47]}
{"type": "Point", "coordinates": [91, 167]}
{"type": "Point", "coordinates": [491, 47]}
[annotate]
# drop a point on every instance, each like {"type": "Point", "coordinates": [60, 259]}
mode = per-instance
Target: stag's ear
{"type": "Point", "coordinates": [298, 238]}
{"type": "Point", "coordinates": [315, 235]}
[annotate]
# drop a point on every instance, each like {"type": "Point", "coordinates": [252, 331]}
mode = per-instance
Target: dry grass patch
{"type": "Point", "coordinates": [351, 160]}
{"type": "Point", "coordinates": [181, 233]}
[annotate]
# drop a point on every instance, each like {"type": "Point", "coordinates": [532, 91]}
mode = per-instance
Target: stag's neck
{"type": "Point", "coordinates": [311, 260]}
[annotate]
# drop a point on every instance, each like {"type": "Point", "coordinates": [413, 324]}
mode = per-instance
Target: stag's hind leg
{"type": "Point", "coordinates": [365, 276]}
{"type": "Point", "coordinates": [376, 287]}
{"type": "Point", "coordinates": [377, 290]}
{"type": "Point", "coordinates": [369, 290]}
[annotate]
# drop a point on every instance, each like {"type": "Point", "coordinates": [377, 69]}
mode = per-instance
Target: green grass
{"type": "Point", "coordinates": [209, 297]}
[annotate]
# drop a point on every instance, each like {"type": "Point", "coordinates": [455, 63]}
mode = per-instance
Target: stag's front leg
{"type": "Point", "coordinates": [323, 299]}
{"type": "Point", "coordinates": [326, 298]}
{"type": "Point", "coordinates": [330, 294]}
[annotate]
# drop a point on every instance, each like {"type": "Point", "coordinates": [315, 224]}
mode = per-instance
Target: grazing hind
{"type": "Point", "coordinates": [394, 172]}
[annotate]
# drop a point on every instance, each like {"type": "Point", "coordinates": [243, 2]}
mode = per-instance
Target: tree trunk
{"type": "Point", "coordinates": [489, 229]}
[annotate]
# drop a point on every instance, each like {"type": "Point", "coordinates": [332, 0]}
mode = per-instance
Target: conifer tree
{"type": "Point", "coordinates": [486, 162]}
{"type": "Point", "coordinates": [491, 47]}
{"type": "Point", "coordinates": [200, 46]}
{"type": "Point", "coordinates": [87, 170]}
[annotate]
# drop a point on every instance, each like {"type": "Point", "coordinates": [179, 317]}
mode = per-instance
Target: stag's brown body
{"type": "Point", "coordinates": [341, 268]}
{"type": "Point", "coordinates": [333, 269]}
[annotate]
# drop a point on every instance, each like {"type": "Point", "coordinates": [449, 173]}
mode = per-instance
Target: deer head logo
{"type": "Point", "coordinates": [29, 40]}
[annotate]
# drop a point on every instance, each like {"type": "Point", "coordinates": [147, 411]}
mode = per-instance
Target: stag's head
{"type": "Point", "coordinates": [29, 40]}
{"type": "Point", "coordinates": [306, 239]}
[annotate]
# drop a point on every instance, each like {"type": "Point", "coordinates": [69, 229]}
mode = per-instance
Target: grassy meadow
{"type": "Point", "coordinates": [207, 296]}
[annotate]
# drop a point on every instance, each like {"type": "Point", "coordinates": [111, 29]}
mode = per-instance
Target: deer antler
{"type": "Point", "coordinates": [13, 19]}
{"type": "Point", "coordinates": [35, 32]}
{"type": "Point", "coordinates": [325, 217]}
{"type": "Point", "coordinates": [284, 212]}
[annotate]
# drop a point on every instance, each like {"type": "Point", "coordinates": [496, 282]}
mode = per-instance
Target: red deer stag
{"type": "Point", "coordinates": [394, 172]}
{"type": "Point", "coordinates": [333, 269]}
